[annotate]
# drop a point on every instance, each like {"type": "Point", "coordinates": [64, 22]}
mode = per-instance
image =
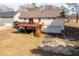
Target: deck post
{"type": "Point", "coordinates": [38, 31]}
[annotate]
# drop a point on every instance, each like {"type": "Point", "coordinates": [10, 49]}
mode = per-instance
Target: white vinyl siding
{"type": "Point", "coordinates": [36, 20]}
{"type": "Point", "coordinates": [53, 25]}
{"type": "Point", "coordinates": [50, 25]}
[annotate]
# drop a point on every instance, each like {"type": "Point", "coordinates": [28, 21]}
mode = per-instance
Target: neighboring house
{"type": "Point", "coordinates": [7, 18]}
{"type": "Point", "coordinates": [53, 19]}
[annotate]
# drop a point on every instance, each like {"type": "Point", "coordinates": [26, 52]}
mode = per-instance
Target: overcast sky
{"type": "Point", "coordinates": [38, 1]}
{"type": "Point", "coordinates": [16, 5]}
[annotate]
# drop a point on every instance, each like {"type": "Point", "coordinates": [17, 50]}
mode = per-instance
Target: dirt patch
{"type": "Point", "coordinates": [5, 28]}
{"type": "Point", "coordinates": [58, 46]}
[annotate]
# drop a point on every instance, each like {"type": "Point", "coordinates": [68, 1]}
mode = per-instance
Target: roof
{"type": "Point", "coordinates": [42, 14]}
{"type": "Point", "coordinates": [7, 14]}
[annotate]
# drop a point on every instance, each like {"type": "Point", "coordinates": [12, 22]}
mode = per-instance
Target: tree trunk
{"type": "Point", "coordinates": [76, 14]}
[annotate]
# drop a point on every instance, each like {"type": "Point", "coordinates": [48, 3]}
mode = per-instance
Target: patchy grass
{"type": "Point", "coordinates": [72, 24]}
{"type": "Point", "coordinates": [18, 43]}
{"type": "Point", "coordinates": [13, 43]}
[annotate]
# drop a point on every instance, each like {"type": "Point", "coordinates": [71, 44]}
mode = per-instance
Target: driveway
{"type": "Point", "coordinates": [4, 28]}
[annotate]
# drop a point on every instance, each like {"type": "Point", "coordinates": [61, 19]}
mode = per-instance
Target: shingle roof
{"type": "Point", "coordinates": [41, 14]}
{"type": "Point", "coordinates": [7, 14]}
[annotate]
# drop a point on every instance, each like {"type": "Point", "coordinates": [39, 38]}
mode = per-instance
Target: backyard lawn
{"type": "Point", "coordinates": [14, 43]}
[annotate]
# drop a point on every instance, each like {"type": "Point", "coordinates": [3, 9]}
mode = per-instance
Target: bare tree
{"type": "Point", "coordinates": [34, 6]}
{"type": "Point", "coordinates": [48, 7]}
{"type": "Point", "coordinates": [74, 8]}
{"type": "Point", "coordinates": [24, 7]}
{"type": "Point", "coordinates": [28, 7]}
{"type": "Point", "coordinates": [4, 8]}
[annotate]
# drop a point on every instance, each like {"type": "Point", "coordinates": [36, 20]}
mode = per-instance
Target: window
{"type": "Point", "coordinates": [54, 18]}
{"type": "Point", "coordinates": [39, 20]}
{"type": "Point", "coordinates": [25, 19]}
{"type": "Point", "coordinates": [49, 18]}
{"type": "Point", "coordinates": [31, 20]}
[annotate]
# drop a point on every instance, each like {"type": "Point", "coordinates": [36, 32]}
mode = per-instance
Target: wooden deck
{"type": "Point", "coordinates": [37, 26]}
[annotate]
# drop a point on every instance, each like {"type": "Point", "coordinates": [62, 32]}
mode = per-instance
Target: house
{"type": "Point", "coordinates": [53, 20]}
{"type": "Point", "coordinates": [7, 18]}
